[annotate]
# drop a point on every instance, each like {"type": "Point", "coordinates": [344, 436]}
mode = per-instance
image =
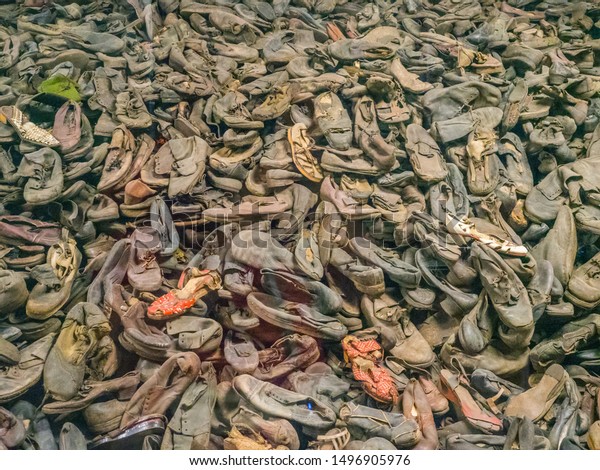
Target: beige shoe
{"type": "Point", "coordinates": [535, 402]}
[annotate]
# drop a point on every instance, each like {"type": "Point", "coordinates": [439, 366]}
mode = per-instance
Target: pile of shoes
{"type": "Point", "coordinates": [299, 224]}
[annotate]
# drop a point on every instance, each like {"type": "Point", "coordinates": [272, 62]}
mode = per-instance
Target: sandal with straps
{"type": "Point", "coordinates": [177, 301]}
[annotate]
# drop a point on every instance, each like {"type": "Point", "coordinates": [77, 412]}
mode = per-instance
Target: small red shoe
{"type": "Point", "coordinates": [365, 355]}
{"type": "Point", "coordinates": [366, 348]}
{"type": "Point", "coordinates": [178, 301]}
{"type": "Point", "coordinates": [375, 380]}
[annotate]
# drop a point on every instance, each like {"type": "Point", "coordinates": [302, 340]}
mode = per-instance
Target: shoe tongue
{"type": "Point", "coordinates": [45, 275]}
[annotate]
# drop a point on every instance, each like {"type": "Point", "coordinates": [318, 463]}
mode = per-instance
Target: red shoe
{"type": "Point", "coordinates": [365, 355]}
{"type": "Point", "coordinates": [176, 302]}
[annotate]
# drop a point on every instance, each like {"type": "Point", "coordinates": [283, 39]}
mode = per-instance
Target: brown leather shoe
{"type": "Point", "coordinates": [161, 390]}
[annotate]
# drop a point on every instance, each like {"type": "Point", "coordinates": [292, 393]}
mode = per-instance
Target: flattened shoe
{"type": "Point", "coordinates": [295, 317]}
{"type": "Point", "coordinates": [281, 403]}
{"type": "Point", "coordinates": [535, 402]}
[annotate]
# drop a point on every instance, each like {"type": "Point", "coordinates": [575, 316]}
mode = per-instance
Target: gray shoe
{"type": "Point", "coordinates": [333, 120]}
{"type": "Point", "coordinates": [559, 246]}
{"type": "Point", "coordinates": [364, 421]}
{"type": "Point", "coordinates": [71, 438]}
{"type": "Point", "coordinates": [462, 125]}
{"type": "Point", "coordinates": [83, 328]}
{"type": "Point", "coordinates": [281, 403]}
{"type": "Point", "coordinates": [13, 291]}
{"type": "Point", "coordinates": [298, 289]}
{"type": "Point", "coordinates": [583, 289]}
{"type": "Point", "coordinates": [425, 156]}
{"type": "Point", "coordinates": [9, 353]}
{"type": "Point", "coordinates": [568, 340]}
{"type": "Point", "coordinates": [278, 432]}
{"type": "Point", "coordinates": [295, 317]}
{"type": "Point", "coordinates": [320, 382]}
{"type": "Point", "coordinates": [17, 379]}
{"type": "Point", "coordinates": [12, 430]}
{"type": "Point", "coordinates": [402, 273]}
{"type": "Point", "coordinates": [507, 294]}
{"type": "Point", "coordinates": [189, 427]}
{"type": "Point", "coordinates": [39, 434]}
{"type": "Point", "coordinates": [45, 180]}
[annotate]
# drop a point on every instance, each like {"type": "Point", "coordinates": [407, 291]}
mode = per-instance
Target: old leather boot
{"type": "Point", "coordinates": [163, 388]}
{"type": "Point", "coordinates": [401, 430]}
{"type": "Point", "coordinates": [16, 380]}
{"type": "Point", "coordinates": [190, 426]}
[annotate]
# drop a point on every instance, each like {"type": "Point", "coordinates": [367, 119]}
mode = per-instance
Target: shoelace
{"type": "Point", "coordinates": [147, 259]}
{"type": "Point", "coordinates": [594, 271]}
{"type": "Point", "coordinates": [41, 175]}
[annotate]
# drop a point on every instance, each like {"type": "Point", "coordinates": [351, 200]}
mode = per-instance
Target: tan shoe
{"type": "Point", "coordinates": [535, 402]}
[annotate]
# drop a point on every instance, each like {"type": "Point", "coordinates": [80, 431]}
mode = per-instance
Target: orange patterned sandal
{"type": "Point", "coordinates": [176, 302]}
{"type": "Point", "coordinates": [365, 355]}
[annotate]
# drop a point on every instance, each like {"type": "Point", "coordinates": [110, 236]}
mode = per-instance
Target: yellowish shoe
{"type": "Point", "coordinates": [304, 160]}
{"type": "Point", "coordinates": [27, 130]}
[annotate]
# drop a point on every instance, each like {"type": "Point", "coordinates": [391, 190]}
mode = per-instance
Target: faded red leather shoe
{"type": "Point", "coordinates": [176, 302]}
{"type": "Point", "coordinates": [466, 405]}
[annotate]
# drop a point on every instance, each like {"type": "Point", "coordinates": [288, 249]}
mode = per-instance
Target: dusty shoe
{"type": "Point", "coordinates": [402, 431]}
{"type": "Point", "coordinates": [285, 355]}
{"type": "Point", "coordinates": [45, 179]}
{"type": "Point", "coordinates": [278, 432]}
{"type": "Point", "coordinates": [65, 367]}
{"type": "Point", "coordinates": [401, 338]}
{"type": "Point", "coordinates": [535, 402]}
{"type": "Point", "coordinates": [163, 388]}
{"type": "Point", "coordinates": [568, 340]}
{"type": "Point", "coordinates": [17, 379]}
{"type": "Point", "coordinates": [278, 402]}
{"type": "Point", "coordinates": [119, 158]}
{"type": "Point", "coordinates": [240, 352]}
{"type": "Point", "coordinates": [196, 406]}
{"type": "Point", "coordinates": [200, 335]}
{"type": "Point", "coordinates": [425, 156]}
{"type": "Point", "coordinates": [345, 204]}
{"type": "Point", "coordinates": [501, 283]}
{"type": "Point", "coordinates": [582, 289]}
{"type": "Point", "coordinates": [12, 430]}
{"type": "Point", "coordinates": [295, 317]}
{"type": "Point", "coordinates": [333, 120]}
{"type": "Point", "coordinates": [55, 280]}
{"type": "Point", "coordinates": [13, 291]}
{"type": "Point", "coordinates": [143, 272]}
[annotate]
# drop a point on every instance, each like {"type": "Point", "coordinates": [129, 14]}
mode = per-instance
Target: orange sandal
{"type": "Point", "coordinates": [365, 355]}
{"type": "Point", "coordinates": [176, 302]}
